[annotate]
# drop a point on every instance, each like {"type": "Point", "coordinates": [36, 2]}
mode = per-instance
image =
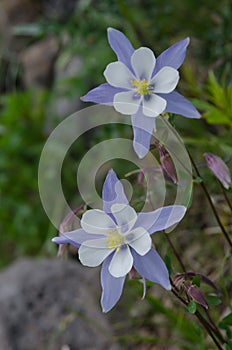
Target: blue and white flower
{"type": "Point", "coordinates": [119, 238]}
{"type": "Point", "coordinates": [142, 86]}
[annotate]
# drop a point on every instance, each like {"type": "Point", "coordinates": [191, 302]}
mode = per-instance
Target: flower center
{"type": "Point", "coordinates": [142, 86]}
{"type": "Point", "coordinates": [114, 239]}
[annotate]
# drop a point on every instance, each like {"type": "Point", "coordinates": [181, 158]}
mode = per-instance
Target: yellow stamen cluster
{"type": "Point", "coordinates": [142, 86]}
{"type": "Point", "coordinates": [114, 239]}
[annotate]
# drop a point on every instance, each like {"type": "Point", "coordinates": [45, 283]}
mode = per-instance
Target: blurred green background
{"type": "Point", "coordinates": [53, 52]}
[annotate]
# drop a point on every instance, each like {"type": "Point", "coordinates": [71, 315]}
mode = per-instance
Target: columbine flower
{"type": "Point", "coordinates": [120, 238]}
{"type": "Point", "coordinates": [219, 169]}
{"type": "Point", "coordinates": [142, 86]}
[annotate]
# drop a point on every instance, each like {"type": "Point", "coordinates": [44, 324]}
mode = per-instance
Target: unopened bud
{"type": "Point", "coordinates": [219, 169]}
{"type": "Point", "coordinates": [178, 280]}
{"type": "Point", "coordinates": [196, 294]}
{"type": "Point", "coordinates": [134, 275]}
{"type": "Point", "coordinates": [140, 177]}
{"type": "Point", "coordinates": [167, 164]}
{"type": "Point", "coordinates": [69, 223]}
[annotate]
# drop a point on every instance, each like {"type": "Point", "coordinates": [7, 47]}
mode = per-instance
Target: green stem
{"type": "Point", "coordinates": [214, 327]}
{"type": "Point", "coordinates": [202, 320]}
{"type": "Point", "coordinates": [225, 196]}
{"type": "Point", "coordinates": [174, 251]}
{"type": "Point", "coordinates": [225, 233]}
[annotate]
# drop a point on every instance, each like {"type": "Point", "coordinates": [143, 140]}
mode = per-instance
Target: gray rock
{"type": "Point", "coordinates": [52, 305]}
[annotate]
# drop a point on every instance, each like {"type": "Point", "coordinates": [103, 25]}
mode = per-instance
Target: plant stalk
{"type": "Point", "coordinates": [203, 322]}
{"type": "Point", "coordinates": [225, 196]}
{"type": "Point", "coordinates": [225, 233]}
{"type": "Point", "coordinates": [175, 251]}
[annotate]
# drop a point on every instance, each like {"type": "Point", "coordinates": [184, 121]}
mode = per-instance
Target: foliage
{"type": "Point", "coordinates": [22, 120]}
{"type": "Point", "coordinates": [217, 109]}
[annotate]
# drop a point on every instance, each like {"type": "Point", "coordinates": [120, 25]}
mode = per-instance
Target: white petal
{"type": "Point", "coordinates": [91, 256]}
{"type": "Point", "coordinates": [143, 62]}
{"type": "Point", "coordinates": [96, 243]}
{"type": "Point", "coordinates": [141, 242]}
{"type": "Point", "coordinates": [165, 80]}
{"type": "Point", "coordinates": [126, 103]}
{"type": "Point", "coordinates": [153, 105]}
{"type": "Point", "coordinates": [121, 262]}
{"type": "Point", "coordinates": [118, 75]}
{"type": "Point", "coordinates": [96, 221]}
{"type": "Point", "coordinates": [125, 217]}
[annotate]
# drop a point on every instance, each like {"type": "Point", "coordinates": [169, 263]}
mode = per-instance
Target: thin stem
{"type": "Point", "coordinates": [210, 326]}
{"type": "Point", "coordinates": [225, 233]}
{"type": "Point", "coordinates": [202, 320]}
{"type": "Point", "coordinates": [214, 327]}
{"type": "Point", "coordinates": [174, 251]}
{"type": "Point", "coordinates": [210, 332]}
{"type": "Point", "coordinates": [225, 196]}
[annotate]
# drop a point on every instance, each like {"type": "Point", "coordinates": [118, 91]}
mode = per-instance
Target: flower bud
{"type": "Point", "coordinates": [140, 177]}
{"type": "Point", "coordinates": [167, 164]}
{"type": "Point", "coordinates": [134, 275]}
{"type": "Point", "coordinates": [219, 169]}
{"type": "Point", "coordinates": [67, 224]}
{"type": "Point", "coordinates": [196, 294]}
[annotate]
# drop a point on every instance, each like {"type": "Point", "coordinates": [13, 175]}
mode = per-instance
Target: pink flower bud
{"type": "Point", "coordinates": [178, 280]}
{"type": "Point", "coordinates": [167, 164]}
{"type": "Point", "coordinates": [219, 169]}
{"type": "Point", "coordinates": [67, 224]}
{"type": "Point", "coordinates": [134, 275]}
{"type": "Point", "coordinates": [196, 294]}
{"type": "Point", "coordinates": [140, 177]}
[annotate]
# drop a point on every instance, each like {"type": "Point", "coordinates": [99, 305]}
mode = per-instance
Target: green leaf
{"type": "Point", "coordinates": [198, 180]}
{"type": "Point", "coordinates": [216, 116]}
{"type": "Point", "coordinates": [218, 107]}
{"type": "Point", "coordinates": [229, 345]}
{"type": "Point", "coordinates": [168, 263]}
{"type": "Point", "coordinates": [196, 280]}
{"type": "Point", "coordinates": [217, 92]}
{"type": "Point", "coordinates": [171, 119]}
{"type": "Point", "coordinates": [213, 300]}
{"type": "Point", "coordinates": [192, 307]}
{"type": "Point", "coordinates": [227, 320]}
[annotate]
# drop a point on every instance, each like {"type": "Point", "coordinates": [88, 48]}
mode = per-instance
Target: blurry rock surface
{"type": "Point", "coordinates": [51, 304]}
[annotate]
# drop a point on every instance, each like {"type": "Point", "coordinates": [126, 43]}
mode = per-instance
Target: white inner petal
{"type": "Point", "coordinates": [121, 262]}
{"type": "Point", "coordinates": [125, 217]}
{"type": "Point", "coordinates": [92, 256]}
{"type": "Point", "coordinates": [118, 75]}
{"type": "Point", "coordinates": [96, 243]}
{"type": "Point", "coordinates": [153, 105]}
{"type": "Point", "coordinates": [143, 63]}
{"type": "Point", "coordinates": [96, 221]}
{"type": "Point", "coordinates": [125, 103]}
{"type": "Point", "coordinates": [140, 240]}
{"type": "Point", "coordinates": [165, 80]}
